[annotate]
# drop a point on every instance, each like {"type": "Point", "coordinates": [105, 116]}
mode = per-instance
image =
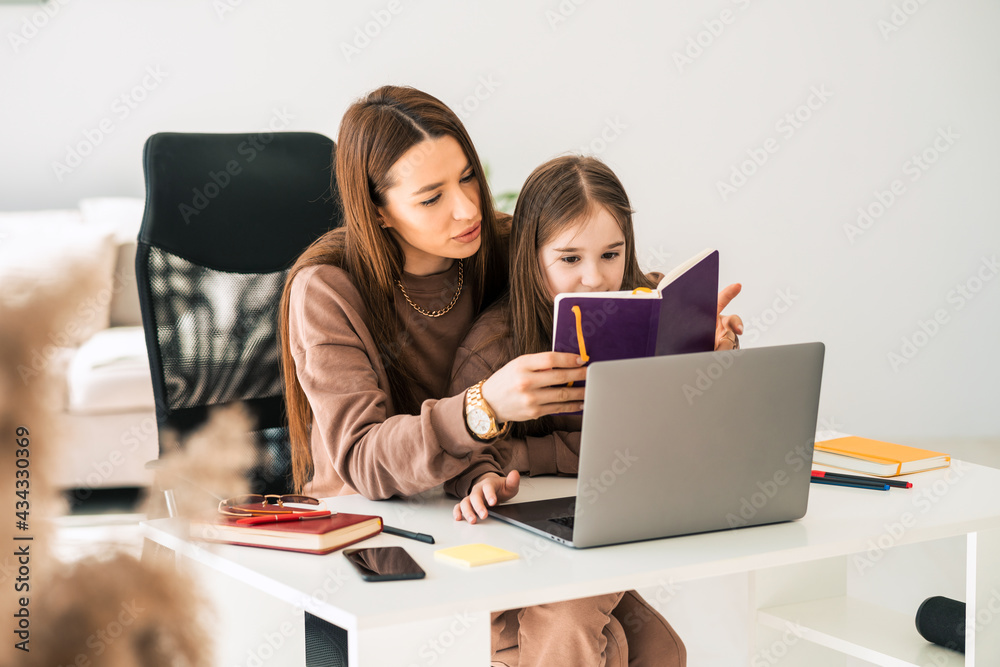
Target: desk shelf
{"type": "Point", "coordinates": [856, 628]}
{"type": "Point", "coordinates": [828, 575]}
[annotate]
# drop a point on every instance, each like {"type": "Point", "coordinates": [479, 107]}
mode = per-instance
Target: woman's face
{"type": "Point", "coordinates": [586, 256]}
{"type": "Point", "coordinates": [432, 208]}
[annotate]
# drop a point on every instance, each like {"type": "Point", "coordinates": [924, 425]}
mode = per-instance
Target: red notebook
{"type": "Point", "coordinates": [314, 536]}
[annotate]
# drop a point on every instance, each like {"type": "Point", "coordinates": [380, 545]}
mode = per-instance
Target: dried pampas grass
{"type": "Point", "coordinates": [120, 612]}
{"type": "Point", "coordinates": [208, 465]}
{"type": "Point", "coordinates": [113, 610]}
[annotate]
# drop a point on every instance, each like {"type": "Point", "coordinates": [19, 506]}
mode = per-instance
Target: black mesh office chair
{"type": "Point", "coordinates": [226, 216]}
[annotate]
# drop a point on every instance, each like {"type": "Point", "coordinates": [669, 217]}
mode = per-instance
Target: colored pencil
{"type": "Point", "coordinates": [899, 484]}
{"type": "Point", "coordinates": [876, 486]}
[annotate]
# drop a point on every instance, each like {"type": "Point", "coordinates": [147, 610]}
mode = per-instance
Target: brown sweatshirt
{"type": "Point", "coordinates": [483, 352]}
{"type": "Point", "coordinates": [359, 442]}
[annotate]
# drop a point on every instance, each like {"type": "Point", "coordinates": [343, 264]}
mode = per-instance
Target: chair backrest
{"type": "Point", "coordinates": [226, 216]}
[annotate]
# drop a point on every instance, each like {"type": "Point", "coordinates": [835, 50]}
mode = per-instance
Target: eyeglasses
{"type": "Point", "coordinates": [255, 504]}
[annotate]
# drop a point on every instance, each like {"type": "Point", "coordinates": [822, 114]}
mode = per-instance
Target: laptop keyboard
{"type": "Point", "coordinates": [564, 521]}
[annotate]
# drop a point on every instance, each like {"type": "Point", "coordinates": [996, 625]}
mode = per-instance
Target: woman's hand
{"type": "Point", "coordinates": [727, 327]}
{"type": "Point", "coordinates": [534, 385]}
{"type": "Point", "coordinates": [487, 492]}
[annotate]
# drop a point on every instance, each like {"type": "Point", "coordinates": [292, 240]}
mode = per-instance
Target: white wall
{"type": "Point", "coordinates": [559, 75]}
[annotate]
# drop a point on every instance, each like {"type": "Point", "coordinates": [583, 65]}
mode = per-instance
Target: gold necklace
{"type": "Point", "coordinates": [440, 311]}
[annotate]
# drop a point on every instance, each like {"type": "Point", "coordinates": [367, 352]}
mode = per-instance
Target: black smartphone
{"type": "Point", "coordinates": [384, 563]}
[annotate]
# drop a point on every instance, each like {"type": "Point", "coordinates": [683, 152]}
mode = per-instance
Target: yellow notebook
{"type": "Point", "coordinates": [875, 457]}
{"type": "Point", "coordinates": [473, 555]}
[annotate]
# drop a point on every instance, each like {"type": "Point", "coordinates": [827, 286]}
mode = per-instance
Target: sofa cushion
{"type": "Point", "coordinates": [123, 216]}
{"type": "Point", "coordinates": [110, 373]}
{"type": "Point", "coordinates": [51, 249]}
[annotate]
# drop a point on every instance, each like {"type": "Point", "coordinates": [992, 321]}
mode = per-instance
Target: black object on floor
{"type": "Point", "coordinates": [941, 621]}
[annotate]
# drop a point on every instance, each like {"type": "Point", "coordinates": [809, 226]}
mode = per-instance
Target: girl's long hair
{"type": "Point", "coordinates": [557, 195]}
{"type": "Point", "coordinates": [375, 133]}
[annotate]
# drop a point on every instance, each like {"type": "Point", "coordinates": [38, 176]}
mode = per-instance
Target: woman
{"type": "Point", "coordinates": [373, 312]}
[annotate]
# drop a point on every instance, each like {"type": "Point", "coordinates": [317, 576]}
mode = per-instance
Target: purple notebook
{"type": "Point", "coordinates": [676, 318]}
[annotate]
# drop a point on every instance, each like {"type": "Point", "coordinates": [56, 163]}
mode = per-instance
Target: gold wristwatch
{"type": "Point", "coordinates": [479, 417]}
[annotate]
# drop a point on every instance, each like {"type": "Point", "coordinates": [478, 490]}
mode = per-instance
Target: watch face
{"type": "Point", "coordinates": [479, 421]}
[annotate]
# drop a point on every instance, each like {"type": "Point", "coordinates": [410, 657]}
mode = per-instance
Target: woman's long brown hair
{"type": "Point", "coordinates": [556, 195]}
{"type": "Point", "coordinates": [374, 134]}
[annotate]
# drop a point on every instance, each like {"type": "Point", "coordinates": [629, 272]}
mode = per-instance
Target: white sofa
{"type": "Point", "coordinates": [106, 425]}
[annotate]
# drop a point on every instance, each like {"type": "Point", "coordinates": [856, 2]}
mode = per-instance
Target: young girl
{"type": "Point", "coordinates": [572, 232]}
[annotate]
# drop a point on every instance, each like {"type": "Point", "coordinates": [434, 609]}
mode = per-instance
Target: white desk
{"type": "Point", "coordinates": [798, 573]}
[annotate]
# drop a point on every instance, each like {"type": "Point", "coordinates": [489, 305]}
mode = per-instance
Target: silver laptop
{"type": "Point", "coordinates": [687, 443]}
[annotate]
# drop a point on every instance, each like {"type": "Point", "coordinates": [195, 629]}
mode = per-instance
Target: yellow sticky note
{"type": "Point", "coordinates": [473, 555]}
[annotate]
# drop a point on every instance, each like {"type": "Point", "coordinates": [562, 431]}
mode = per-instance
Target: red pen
{"type": "Point", "coordinates": [275, 518]}
{"type": "Point", "coordinates": [899, 484]}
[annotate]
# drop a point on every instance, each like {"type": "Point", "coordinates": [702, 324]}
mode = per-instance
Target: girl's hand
{"type": "Point", "coordinates": [727, 327]}
{"type": "Point", "coordinates": [534, 385]}
{"type": "Point", "coordinates": [487, 492]}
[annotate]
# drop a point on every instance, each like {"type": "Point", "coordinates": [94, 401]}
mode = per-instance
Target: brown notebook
{"type": "Point", "coordinates": [314, 536]}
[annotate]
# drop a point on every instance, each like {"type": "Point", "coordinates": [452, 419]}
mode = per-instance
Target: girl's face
{"type": "Point", "coordinates": [432, 208]}
{"type": "Point", "coordinates": [586, 256]}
